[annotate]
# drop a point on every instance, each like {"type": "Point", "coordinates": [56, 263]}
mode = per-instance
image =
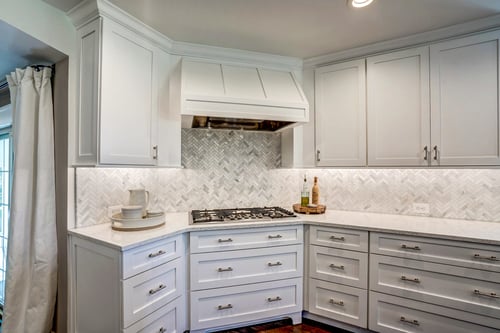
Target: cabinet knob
{"type": "Point", "coordinates": [155, 152]}
{"type": "Point", "coordinates": [435, 148]}
{"type": "Point", "coordinates": [426, 153]}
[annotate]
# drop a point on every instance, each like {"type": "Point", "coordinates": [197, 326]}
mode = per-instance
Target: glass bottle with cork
{"type": "Point", "coordinates": [315, 192]}
{"type": "Point", "coordinates": [304, 194]}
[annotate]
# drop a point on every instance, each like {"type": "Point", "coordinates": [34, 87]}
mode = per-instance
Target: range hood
{"type": "Point", "coordinates": [223, 96]}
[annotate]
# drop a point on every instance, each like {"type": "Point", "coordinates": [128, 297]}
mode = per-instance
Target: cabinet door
{"type": "Point", "coordinates": [398, 108]}
{"type": "Point", "coordinates": [340, 114]}
{"type": "Point", "coordinates": [464, 101]}
{"type": "Point", "coordinates": [128, 98]}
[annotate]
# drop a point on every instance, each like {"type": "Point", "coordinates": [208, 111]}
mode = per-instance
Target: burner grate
{"type": "Point", "coordinates": [239, 214]}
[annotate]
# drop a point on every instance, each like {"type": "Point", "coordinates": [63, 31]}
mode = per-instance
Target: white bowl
{"type": "Point", "coordinates": [132, 212]}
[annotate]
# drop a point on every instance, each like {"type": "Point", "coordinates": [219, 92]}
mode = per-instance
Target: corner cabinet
{"type": "Point", "coordinates": [340, 99]}
{"type": "Point", "coordinates": [122, 77]}
{"type": "Point", "coordinates": [465, 101]}
{"type": "Point", "coordinates": [398, 108]}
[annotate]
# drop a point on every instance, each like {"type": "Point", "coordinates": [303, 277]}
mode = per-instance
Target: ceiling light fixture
{"type": "Point", "coordinates": [360, 3]}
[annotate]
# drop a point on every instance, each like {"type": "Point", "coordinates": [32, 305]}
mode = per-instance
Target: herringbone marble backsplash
{"type": "Point", "coordinates": [233, 169]}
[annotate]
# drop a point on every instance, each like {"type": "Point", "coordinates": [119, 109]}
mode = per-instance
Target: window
{"type": "Point", "coordinates": [5, 186]}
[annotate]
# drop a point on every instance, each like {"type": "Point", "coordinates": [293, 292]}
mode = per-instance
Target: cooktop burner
{"type": "Point", "coordinates": [239, 214]}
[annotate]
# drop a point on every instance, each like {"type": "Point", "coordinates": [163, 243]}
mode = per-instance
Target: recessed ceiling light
{"type": "Point", "coordinates": [360, 3]}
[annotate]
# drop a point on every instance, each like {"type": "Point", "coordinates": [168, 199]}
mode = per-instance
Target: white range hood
{"type": "Point", "coordinates": [214, 95]}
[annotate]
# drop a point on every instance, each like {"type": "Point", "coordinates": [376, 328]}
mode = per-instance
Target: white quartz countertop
{"type": "Point", "coordinates": [175, 223]}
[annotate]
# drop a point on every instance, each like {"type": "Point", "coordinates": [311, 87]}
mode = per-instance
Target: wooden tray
{"type": "Point", "coordinates": [320, 209]}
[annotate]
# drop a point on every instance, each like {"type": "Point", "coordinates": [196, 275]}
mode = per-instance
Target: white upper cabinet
{"type": "Point", "coordinates": [128, 98]}
{"type": "Point", "coordinates": [398, 108]}
{"type": "Point", "coordinates": [340, 109]}
{"type": "Point", "coordinates": [464, 101]}
{"type": "Point", "coordinates": [122, 79]}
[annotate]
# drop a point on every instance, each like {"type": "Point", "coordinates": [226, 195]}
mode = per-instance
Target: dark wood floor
{"type": "Point", "coordinates": [286, 326]}
{"type": "Point", "coordinates": [302, 328]}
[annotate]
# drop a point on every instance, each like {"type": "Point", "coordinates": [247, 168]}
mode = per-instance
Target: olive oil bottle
{"type": "Point", "coordinates": [304, 195]}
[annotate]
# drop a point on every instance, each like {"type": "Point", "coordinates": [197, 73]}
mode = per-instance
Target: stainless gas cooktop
{"type": "Point", "coordinates": [239, 214]}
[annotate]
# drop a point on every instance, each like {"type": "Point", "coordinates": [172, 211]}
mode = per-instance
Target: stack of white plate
{"type": "Point", "coordinates": [131, 219]}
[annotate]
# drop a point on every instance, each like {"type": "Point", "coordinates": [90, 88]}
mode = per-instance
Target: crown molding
{"type": "Point", "coordinates": [488, 23]}
{"type": "Point", "coordinates": [236, 56]}
{"type": "Point", "coordinates": [89, 10]}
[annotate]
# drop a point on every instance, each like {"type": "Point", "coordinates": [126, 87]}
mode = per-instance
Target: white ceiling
{"type": "Point", "coordinates": [300, 28]}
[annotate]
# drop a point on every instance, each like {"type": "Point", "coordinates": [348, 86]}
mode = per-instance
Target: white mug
{"type": "Point", "coordinates": [139, 197]}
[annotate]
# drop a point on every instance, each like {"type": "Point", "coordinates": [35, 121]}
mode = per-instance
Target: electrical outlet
{"type": "Point", "coordinates": [112, 210]}
{"type": "Point", "coordinates": [421, 208]}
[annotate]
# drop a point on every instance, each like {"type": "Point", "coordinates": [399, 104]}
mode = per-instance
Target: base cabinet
{"type": "Point", "coordinates": [107, 297]}
{"type": "Point", "coordinates": [245, 275]}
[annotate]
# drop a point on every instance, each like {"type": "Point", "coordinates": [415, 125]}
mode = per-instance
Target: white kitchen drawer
{"type": "Point", "coordinates": [226, 306]}
{"type": "Point", "coordinates": [236, 239]}
{"type": "Point", "coordinates": [463, 254]}
{"type": "Point", "coordinates": [436, 283]}
{"type": "Point", "coordinates": [149, 291]}
{"type": "Point", "coordinates": [168, 319]}
{"type": "Point", "coordinates": [150, 255]}
{"type": "Point", "coordinates": [221, 269]}
{"type": "Point", "coordinates": [340, 266]}
{"type": "Point", "coordinates": [347, 239]}
{"type": "Point", "coordinates": [390, 314]}
{"type": "Point", "coordinates": [338, 302]}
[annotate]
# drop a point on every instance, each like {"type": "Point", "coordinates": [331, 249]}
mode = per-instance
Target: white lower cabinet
{"type": "Point", "coordinates": [420, 284]}
{"type": "Point", "coordinates": [395, 314]}
{"type": "Point", "coordinates": [338, 274]}
{"type": "Point", "coordinates": [245, 275]}
{"type": "Point", "coordinates": [238, 304]}
{"type": "Point", "coordinates": [137, 290]}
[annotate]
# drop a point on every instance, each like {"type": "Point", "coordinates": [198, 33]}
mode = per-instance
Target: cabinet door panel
{"type": "Point", "coordinates": [398, 108]}
{"type": "Point", "coordinates": [340, 114]}
{"type": "Point", "coordinates": [127, 99]}
{"type": "Point", "coordinates": [464, 100]}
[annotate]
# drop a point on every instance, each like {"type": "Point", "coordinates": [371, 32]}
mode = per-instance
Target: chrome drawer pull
{"type": "Point", "coordinates": [413, 322]}
{"type": "Point", "coordinates": [480, 293]}
{"type": "Point", "coordinates": [406, 247]}
{"type": "Point", "coordinates": [277, 298]}
{"type": "Point", "coordinates": [335, 238]}
{"type": "Point", "coordinates": [274, 237]}
{"type": "Point", "coordinates": [277, 263]}
{"type": "Point", "coordinates": [333, 301]}
{"type": "Point", "coordinates": [224, 307]}
{"type": "Point", "coordinates": [162, 330]}
{"type": "Point", "coordinates": [159, 253]}
{"type": "Point", "coordinates": [333, 266]}
{"type": "Point", "coordinates": [480, 257]}
{"type": "Point", "coordinates": [404, 278]}
{"type": "Point", "coordinates": [228, 240]}
{"type": "Point", "coordinates": [154, 291]}
{"type": "Point", "coordinates": [220, 269]}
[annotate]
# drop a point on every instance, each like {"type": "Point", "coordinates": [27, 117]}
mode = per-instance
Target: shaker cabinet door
{"type": "Point", "coordinates": [398, 108]}
{"type": "Point", "coordinates": [128, 102]}
{"type": "Point", "coordinates": [341, 114]}
{"type": "Point", "coordinates": [464, 101]}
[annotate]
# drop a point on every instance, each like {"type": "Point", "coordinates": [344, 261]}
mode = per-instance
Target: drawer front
{"type": "Point", "coordinates": [222, 240]}
{"type": "Point", "coordinates": [356, 240]}
{"type": "Point", "coordinates": [168, 319]}
{"type": "Point", "coordinates": [150, 255]}
{"type": "Point", "coordinates": [226, 306]}
{"type": "Point", "coordinates": [338, 302]}
{"type": "Point", "coordinates": [340, 266]}
{"type": "Point", "coordinates": [460, 288]}
{"type": "Point", "coordinates": [220, 269]}
{"type": "Point", "coordinates": [393, 314]}
{"type": "Point", "coordinates": [472, 255]}
{"type": "Point", "coordinates": [149, 291]}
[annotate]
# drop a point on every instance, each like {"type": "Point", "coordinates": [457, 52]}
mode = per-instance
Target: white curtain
{"type": "Point", "coordinates": [31, 280]}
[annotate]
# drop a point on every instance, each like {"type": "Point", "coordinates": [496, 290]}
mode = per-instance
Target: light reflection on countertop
{"type": "Point", "coordinates": [177, 223]}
